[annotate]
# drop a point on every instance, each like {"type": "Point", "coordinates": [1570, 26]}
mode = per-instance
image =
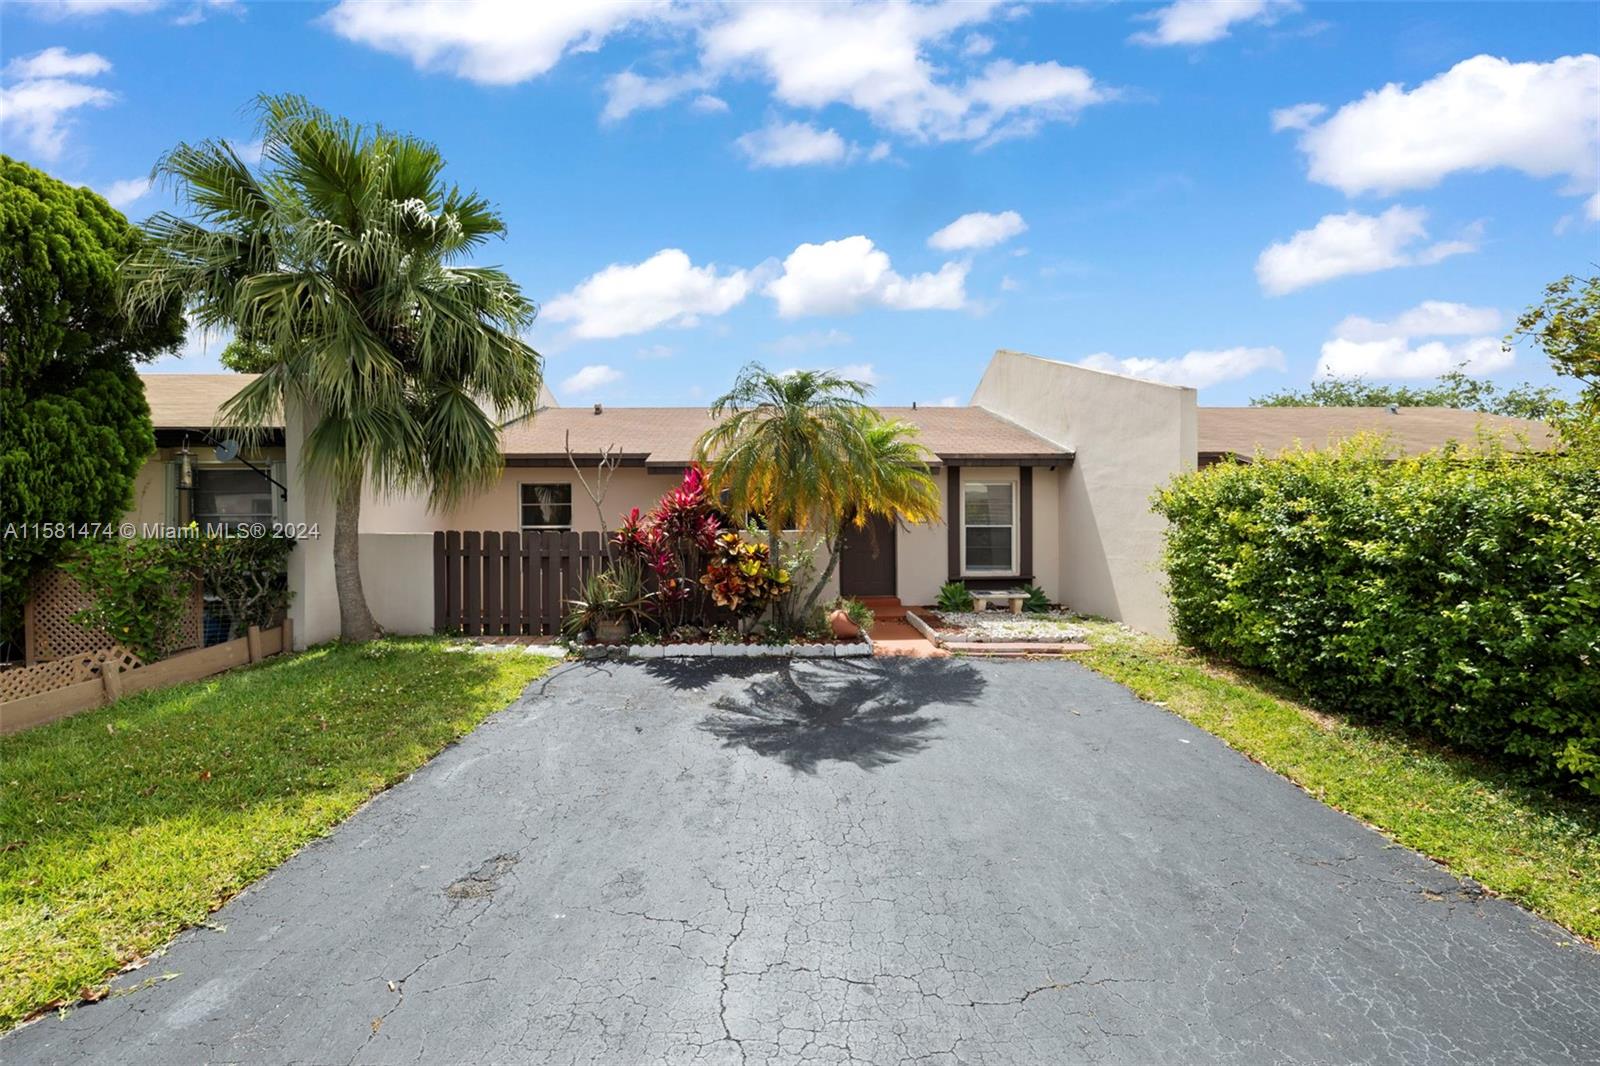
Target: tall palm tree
{"type": "Point", "coordinates": [802, 451]}
{"type": "Point", "coordinates": [340, 266]}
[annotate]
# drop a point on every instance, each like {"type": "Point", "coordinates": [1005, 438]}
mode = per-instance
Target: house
{"type": "Point", "coordinates": [1046, 477]}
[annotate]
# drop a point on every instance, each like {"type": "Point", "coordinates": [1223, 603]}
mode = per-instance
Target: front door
{"type": "Point", "coordinates": [866, 562]}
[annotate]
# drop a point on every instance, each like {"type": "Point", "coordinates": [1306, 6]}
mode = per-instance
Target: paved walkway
{"type": "Point", "coordinates": [879, 861]}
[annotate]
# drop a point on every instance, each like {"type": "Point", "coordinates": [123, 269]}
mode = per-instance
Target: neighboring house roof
{"type": "Point", "coordinates": [644, 436]}
{"type": "Point", "coordinates": [1243, 431]}
{"type": "Point", "coordinates": [664, 436]}
{"type": "Point", "coordinates": [190, 401]}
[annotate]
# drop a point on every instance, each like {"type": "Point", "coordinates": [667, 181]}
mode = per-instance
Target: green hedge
{"type": "Point", "coordinates": [1453, 592]}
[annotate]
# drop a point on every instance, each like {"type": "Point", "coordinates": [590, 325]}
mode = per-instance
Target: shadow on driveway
{"type": "Point", "coordinates": [804, 712]}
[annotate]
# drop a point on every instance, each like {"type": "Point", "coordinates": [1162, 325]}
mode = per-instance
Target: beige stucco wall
{"type": "Point", "coordinates": [397, 577]}
{"type": "Point", "coordinates": [1131, 437]}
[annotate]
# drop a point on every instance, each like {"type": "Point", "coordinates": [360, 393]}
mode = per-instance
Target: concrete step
{"type": "Point", "coordinates": [885, 608]}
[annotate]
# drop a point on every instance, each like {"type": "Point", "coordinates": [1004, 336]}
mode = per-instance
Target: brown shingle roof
{"type": "Point", "coordinates": [665, 436]}
{"type": "Point", "coordinates": [1244, 430]}
{"type": "Point", "coordinates": [190, 401]}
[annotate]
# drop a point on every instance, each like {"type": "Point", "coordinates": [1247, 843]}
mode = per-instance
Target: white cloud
{"type": "Point", "coordinates": [1298, 117]}
{"type": "Point", "coordinates": [589, 379]}
{"type": "Point", "coordinates": [947, 401]}
{"type": "Point", "coordinates": [795, 343]}
{"type": "Point", "coordinates": [1197, 369]}
{"type": "Point", "coordinates": [120, 194]}
{"type": "Point", "coordinates": [1353, 243]}
{"type": "Point", "coordinates": [57, 62]}
{"type": "Point", "coordinates": [979, 229]}
{"type": "Point", "coordinates": [792, 144]}
{"type": "Point", "coordinates": [1431, 318]}
{"type": "Point", "coordinates": [1009, 284]}
{"type": "Point", "coordinates": [874, 58]}
{"type": "Point", "coordinates": [977, 44]}
{"type": "Point", "coordinates": [877, 58]}
{"type": "Point", "coordinates": [844, 276]}
{"type": "Point", "coordinates": [664, 290]}
{"type": "Point", "coordinates": [43, 93]}
{"type": "Point", "coordinates": [493, 42]}
{"type": "Point", "coordinates": [1542, 119]}
{"type": "Point", "coordinates": [707, 104]}
{"type": "Point", "coordinates": [1361, 347]}
{"type": "Point", "coordinates": [1204, 21]}
{"type": "Point", "coordinates": [657, 351]}
{"type": "Point", "coordinates": [64, 9]}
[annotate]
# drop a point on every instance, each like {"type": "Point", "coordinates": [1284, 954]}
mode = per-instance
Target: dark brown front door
{"type": "Point", "coordinates": [866, 562]}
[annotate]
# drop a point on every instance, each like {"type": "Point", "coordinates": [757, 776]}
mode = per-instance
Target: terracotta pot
{"type": "Point", "coordinates": [841, 625]}
{"type": "Point", "coordinates": [612, 632]}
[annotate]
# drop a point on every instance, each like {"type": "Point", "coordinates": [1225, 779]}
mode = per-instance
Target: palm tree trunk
{"type": "Point", "coordinates": [835, 545]}
{"type": "Point", "coordinates": [356, 624]}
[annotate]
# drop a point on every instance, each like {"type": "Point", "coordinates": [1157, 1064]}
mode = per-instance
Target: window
{"type": "Point", "coordinates": [228, 497]}
{"type": "Point", "coordinates": [989, 527]}
{"type": "Point", "coordinates": [547, 507]}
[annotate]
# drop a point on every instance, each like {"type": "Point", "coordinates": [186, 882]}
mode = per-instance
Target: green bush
{"type": "Point", "coordinates": [1037, 602]}
{"type": "Point", "coordinates": [954, 597]}
{"type": "Point", "coordinates": [1453, 592]}
{"type": "Point", "coordinates": [141, 589]}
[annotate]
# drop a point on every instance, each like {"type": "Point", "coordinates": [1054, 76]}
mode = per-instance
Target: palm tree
{"type": "Point", "coordinates": [802, 451]}
{"type": "Point", "coordinates": [339, 267]}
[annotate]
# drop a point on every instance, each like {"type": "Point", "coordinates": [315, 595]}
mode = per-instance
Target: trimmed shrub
{"type": "Point", "coordinates": [1452, 592]}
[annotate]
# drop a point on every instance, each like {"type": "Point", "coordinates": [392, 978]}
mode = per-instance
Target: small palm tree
{"type": "Point", "coordinates": [803, 451]}
{"type": "Point", "coordinates": [339, 268]}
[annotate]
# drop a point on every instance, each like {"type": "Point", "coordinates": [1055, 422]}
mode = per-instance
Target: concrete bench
{"type": "Point", "coordinates": [1014, 599]}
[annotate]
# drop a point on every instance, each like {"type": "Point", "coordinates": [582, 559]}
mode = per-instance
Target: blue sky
{"type": "Point", "coordinates": [1234, 196]}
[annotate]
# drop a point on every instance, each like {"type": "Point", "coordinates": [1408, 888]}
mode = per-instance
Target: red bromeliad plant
{"type": "Point", "coordinates": [672, 543]}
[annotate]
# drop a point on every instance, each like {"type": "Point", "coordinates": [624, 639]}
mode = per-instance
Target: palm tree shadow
{"type": "Point", "coordinates": [869, 713]}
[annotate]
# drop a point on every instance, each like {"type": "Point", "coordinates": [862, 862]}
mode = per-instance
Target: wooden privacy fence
{"type": "Point", "coordinates": [509, 584]}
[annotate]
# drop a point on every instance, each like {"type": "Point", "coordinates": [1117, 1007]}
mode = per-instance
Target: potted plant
{"type": "Point", "coordinates": [849, 618]}
{"type": "Point", "coordinates": [614, 604]}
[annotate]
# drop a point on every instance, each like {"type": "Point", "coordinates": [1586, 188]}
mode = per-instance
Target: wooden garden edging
{"type": "Point", "coordinates": [116, 680]}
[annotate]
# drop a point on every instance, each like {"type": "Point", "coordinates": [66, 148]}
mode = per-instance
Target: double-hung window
{"type": "Point", "coordinates": [547, 506]}
{"type": "Point", "coordinates": [989, 527]}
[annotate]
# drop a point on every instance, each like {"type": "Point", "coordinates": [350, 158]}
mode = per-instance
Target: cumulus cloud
{"type": "Point", "coordinates": [1353, 243]}
{"type": "Point", "coordinates": [1542, 119]}
{"type": "Point", "coordinates": [1197, 369]}
{"type": "Point", "coordinates": [665, 290]}
{"type": "Point", "coordinates": [1204, 21]}
{"type": "Point", "coordinates": [1298, 117]}
{"type": "Point", "coordinates": [42, 91]}
{"type": "Point", "coordinates": [1362, 347]}
{"type": "Point", "coordinates": [120, 194]}
{"type": "Point", "coordinates": [492, 42]}
{"type": "Point", "coordinates": [901, 64]}
{"type": "Point", "coordinates": [978, 229]}
{"type": "Point", "coordinates": [844, 276]}
{"type": "Point", "coordinates": [792, 144]}
{"type": "Point", "coordinates": [590, 379]}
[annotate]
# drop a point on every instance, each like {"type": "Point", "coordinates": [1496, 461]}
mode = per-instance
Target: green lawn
{"type": "Point", "coordinates": [1494, 824]}
{"type": "Point", "coordinates": [122, 826]}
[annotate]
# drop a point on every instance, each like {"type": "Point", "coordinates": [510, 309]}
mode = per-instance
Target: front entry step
{"type": "Point", "coordinates": [885, 608]}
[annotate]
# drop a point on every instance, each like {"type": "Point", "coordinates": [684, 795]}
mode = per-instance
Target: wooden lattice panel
{"type": "Point", "coordinates": [52, 634]}
{"type": "Point", "coordinates": [24, 681]}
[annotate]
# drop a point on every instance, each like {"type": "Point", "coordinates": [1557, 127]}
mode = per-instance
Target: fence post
{"type": "Point", "coordinates": [440, 569]}
{"type": "Point", "coordinates": [252, 643]}
{"type": "Point", "coordinates": [472, 556]}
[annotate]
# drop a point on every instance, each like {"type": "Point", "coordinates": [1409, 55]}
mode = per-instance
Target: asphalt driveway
{"type": "Point", "coordinates": [884, 861]}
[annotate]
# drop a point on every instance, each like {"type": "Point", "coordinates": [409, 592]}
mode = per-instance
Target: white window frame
{"type": "Point", "coordinates": [541, 529]}
{"type": "Point", "coordinates": [1016, 524]}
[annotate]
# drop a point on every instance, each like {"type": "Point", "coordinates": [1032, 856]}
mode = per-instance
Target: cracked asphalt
{"type": "Point", "coordinates": [881, 861]}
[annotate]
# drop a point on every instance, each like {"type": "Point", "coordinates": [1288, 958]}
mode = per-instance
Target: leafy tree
{"type": "Point", "coordinates": [75, 428]}
{"type": "Point", "coordinates": [1566, 325]}
{"type": "Point", "coordinates": [1454, 389]}
{"type": "Point", "coordinates": [340, 265]}
{"type": "Point", "coordinates": [802, 451]}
